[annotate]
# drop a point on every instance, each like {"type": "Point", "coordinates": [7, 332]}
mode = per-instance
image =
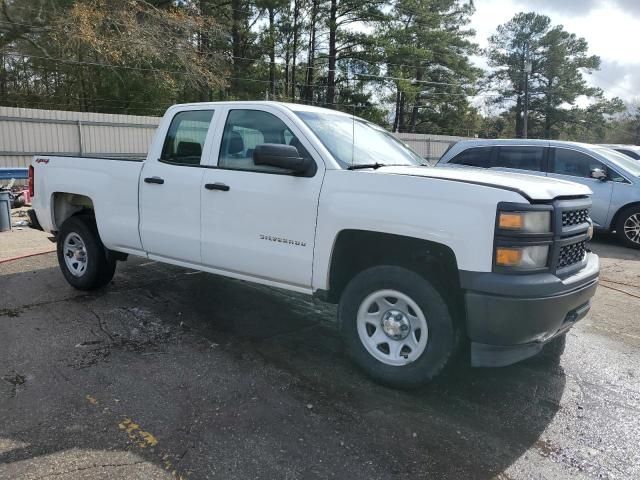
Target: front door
{"type": "Point", "coordinates": [170, 190]}
{"type": "Point", "coordinates": [574, 166]}
{"type": "Point", "coordinates": [257, 220]}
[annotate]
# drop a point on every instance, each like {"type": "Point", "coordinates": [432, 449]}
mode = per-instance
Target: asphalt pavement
{"type": "Point", "coordinates": [171, 373]}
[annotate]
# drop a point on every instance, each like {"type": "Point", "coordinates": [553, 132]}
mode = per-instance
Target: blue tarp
{"type": "Point", "coordinates": [17, 173]}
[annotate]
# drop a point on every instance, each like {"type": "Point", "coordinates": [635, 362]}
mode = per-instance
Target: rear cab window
{"type": "Point", "coordinates": [186, 136]}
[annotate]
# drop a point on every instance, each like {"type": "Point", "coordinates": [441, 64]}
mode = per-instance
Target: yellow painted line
{"type": "Point", "coordinates": [135, 433]}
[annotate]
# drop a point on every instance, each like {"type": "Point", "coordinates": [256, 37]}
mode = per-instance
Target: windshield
{"type": "Point", "coordinates": [372, 144]}
{"type": "Point", "coordinates": [621, 160]}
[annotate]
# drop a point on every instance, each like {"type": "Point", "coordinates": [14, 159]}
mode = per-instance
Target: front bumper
{"type": "Point", "coordinates": [510, 318]}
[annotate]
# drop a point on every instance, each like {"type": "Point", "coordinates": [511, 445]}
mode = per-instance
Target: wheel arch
{"type": "Point", "coordinates": [616, 216]}
{"type": "Point", "coordinates": [356, 250]}
{"type": "Point", "coordinates": [65, 205]}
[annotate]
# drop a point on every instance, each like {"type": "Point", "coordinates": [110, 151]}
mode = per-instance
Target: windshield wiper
{"type": "Point", "coordinates": [375, 166]}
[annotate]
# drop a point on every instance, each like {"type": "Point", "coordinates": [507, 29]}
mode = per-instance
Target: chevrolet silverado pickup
{"type": "Point", "coordinates": [421, 261]}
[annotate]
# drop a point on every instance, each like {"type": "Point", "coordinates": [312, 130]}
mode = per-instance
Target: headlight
{"type": "Point", "coordinates": [526, 258]}
{"type": "Point", "coordinates": [526, 222]}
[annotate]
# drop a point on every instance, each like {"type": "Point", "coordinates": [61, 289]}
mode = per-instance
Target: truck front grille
{"type": "Point", "coordinates": [575, 217]}
{"type": "Point", "coordinates": [572, 254]}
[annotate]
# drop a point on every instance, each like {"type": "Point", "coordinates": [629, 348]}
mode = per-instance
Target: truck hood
{"type": "Point", "coordinates": [530, 186]}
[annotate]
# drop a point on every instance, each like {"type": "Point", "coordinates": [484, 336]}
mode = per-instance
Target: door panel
{"type": "Point", "coordinates": [170, 212]}
{"type": "Point", "coordinates": [574, 166]}
{"type": "Point", "coordinates": [170, 190]}
{"type": "Point", "coordinates": [263, 224]}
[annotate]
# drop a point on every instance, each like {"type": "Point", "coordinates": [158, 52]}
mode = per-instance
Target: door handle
{"type": "Point", "coordinates": [217, 186]}
{"type": "Point", "coordinates": [157, 180]}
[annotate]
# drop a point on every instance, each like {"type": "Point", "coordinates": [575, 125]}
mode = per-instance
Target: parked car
{"type": "Point", "coordinates": [613, 177]}
{"type": "Point", "coordinates": [417, 258]}
{"type": "Point", "coordinates": [632, 151]}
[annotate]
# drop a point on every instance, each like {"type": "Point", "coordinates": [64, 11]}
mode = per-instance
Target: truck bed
{"type": "Point", "coordinates": [111, 183]}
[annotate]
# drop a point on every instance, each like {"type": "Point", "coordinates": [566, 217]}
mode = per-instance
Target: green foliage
{"type": "Point", "coordinates": [426, 48]}
{"type": "Point", "coordinates": [558, 60]}
{"type": "Point", "coordinates": [404, 64]}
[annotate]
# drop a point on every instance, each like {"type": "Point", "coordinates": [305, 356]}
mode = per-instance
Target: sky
{"type": "Point", "coordinates": [611, 27]}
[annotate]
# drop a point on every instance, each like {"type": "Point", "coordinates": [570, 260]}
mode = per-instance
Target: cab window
{"type": "Point", "coordinates": [186, 136]}
{"type": "Point", "coordinates": [246, 129]}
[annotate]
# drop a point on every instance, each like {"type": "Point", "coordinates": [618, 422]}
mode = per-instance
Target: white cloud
{"type": "Point", "coordinates": [609, 26]}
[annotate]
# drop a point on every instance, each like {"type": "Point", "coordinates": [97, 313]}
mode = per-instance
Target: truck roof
{"type": "Point", "coordinates": [296, 107]}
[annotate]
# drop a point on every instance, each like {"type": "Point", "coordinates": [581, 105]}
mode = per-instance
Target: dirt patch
{"type": "Point", "coordinates": [15, 380]}
{"type": "Point", "coordinates": [129, 329]}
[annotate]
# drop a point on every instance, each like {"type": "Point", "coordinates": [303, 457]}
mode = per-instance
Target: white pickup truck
{"type": "Point", "coordinates": [421, 260]}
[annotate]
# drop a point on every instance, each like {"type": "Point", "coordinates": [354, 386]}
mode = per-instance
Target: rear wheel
{"type": "Point", "coordinates": [397, 326]}
{"type": "Point", "coordinates": [628, 226]}
{"type": "Point", "coordinates": [81, 254]}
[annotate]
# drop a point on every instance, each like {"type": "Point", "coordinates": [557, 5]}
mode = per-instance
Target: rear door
{"type": "Point", "coordinates": [575, 166]}
{"type": "Point", "coordinates": [259, 221]}
{"type": "Point", "coordinates": [170, 188]}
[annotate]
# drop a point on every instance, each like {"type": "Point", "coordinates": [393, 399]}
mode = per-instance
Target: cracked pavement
{"type": "Point", "coordinates": [170, 373]}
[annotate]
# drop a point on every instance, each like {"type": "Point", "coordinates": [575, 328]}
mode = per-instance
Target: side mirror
{"type": "Point", "coordinates": [599, 174]}
{"type": "Point", "coordinates": [282, 156]}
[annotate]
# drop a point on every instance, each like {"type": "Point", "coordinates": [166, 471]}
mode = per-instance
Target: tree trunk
{"type": "Point", "coordinates": [396, 117]}
{"type": "Point", "coordinates": [401, 122]}
{"type": "Point", "coordinates": [3, 79]}
{"type": "Point", "coordinates": [331, 75]}
{"type": "Point", "coordinates": [308, 96]}
{"type": "Point", "coordinates": [287, 62]}
{"type": "Point", "coordinates": [236, 43]}
{"type": "Point", "coordinates": [519, 125]}
{"type": "Point", "coordinates": [294, 53]}
{"type": "Point", "coordinates": [272, 51]}
{"type": "Point", "coordinates": [203, 48]}
{"type": "Point", "coordinates": [414, 110]}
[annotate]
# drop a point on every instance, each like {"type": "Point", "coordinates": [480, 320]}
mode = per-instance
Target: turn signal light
{"type": "Point", "coordinates": [508, 257]}
{"type": "Point", "coordinates": [511, 221]}
{"type": "Point", "coordinates": [534, 221]}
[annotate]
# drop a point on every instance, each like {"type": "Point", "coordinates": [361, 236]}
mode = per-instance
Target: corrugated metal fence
{"type": "Point", "coordinates": [26, 132]}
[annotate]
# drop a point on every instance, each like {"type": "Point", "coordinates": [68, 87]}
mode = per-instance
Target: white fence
{"type": "Point", "coordinates": [26, 132]}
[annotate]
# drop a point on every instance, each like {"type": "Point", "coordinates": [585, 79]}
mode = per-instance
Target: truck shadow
{"type": "Point", "coordinates": [267, 344]}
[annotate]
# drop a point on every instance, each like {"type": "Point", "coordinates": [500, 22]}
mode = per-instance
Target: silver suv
{"type": "Point", "coordinates": [613, 177]}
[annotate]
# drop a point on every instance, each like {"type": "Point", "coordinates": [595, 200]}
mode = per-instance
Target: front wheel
{"type": "Point", "coordinates": [628, 226]}
{"type": "Point", "coordinates": [397, 326]}
{"type": "Point", "coordinates": [81, 254]}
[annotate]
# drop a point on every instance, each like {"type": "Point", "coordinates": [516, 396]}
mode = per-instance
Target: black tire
{"type": "Point", "coordinates": [99, 270]}
{"type": "Point", "coordinates": [443, 335]}
{"type": "Point", "coordinates": [624, 216]}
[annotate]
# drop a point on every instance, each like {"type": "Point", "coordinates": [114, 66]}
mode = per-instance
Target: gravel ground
{"type": "Point", "coordinates": [170, 373]}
